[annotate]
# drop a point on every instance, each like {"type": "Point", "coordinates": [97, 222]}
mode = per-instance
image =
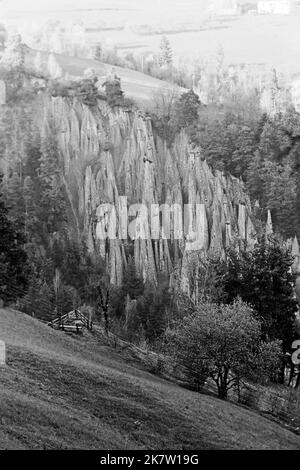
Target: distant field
{"type": "Point", "coordinates": [273, 40]}
{"type": "Point", "coordinates": [61, 392]}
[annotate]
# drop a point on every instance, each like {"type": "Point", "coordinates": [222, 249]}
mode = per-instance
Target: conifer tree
{"type": "Point", "coordinates": [15, 197]}
{"type": "Point", "coordinates": [97, 52]}
{"type": "Point", "coordinates": [52, 196]}
{"type": "Point", "coordinates": [280, 191]}
{"type": "Point", "coordinates": [187, 108]}
{"type": "Point", "coordinates": [254, 178]}
{"type": "Point", "coordinates": [244, 151]}
{"type": "Point", "coordinates": [13, 258]}
{"type": "Point", "coordinates": [132, 285]}
{"type": "Point", "coordinates": [166, 54]}
{"type": "Point", "coordinates": [263, 279]}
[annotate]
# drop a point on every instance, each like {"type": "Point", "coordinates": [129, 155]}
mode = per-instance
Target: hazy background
{"type": "Point", "coordinates": [195, 28]}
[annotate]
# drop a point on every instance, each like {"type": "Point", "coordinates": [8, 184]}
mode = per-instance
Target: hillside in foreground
{"type": "Point", "coordinates": [68, 392]}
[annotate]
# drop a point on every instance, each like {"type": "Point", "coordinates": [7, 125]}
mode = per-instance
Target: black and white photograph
{"type": "Point", "coordinates": [149, 230]}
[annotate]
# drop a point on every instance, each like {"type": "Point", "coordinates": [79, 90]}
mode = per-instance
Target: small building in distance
{"type": "Point", "coordinates": [274, 7]}
{"type": "Point", "coordinates": [224, 7]}
{"type": "Point", "coordinates": [247, 7]}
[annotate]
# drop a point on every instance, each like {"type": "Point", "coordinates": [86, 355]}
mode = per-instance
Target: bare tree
{"type": "Point", "coordinates": [164, 101]}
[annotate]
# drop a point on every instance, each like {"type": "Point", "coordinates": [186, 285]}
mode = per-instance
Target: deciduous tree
{"type": "Point", "coordinates": [222, 342]}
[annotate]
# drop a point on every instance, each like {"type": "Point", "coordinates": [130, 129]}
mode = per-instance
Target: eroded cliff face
{"type": "Point", "coordinates": [108, 155]}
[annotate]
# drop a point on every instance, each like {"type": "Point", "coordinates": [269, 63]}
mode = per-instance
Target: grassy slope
{"type": "Point", "coordinates": [59, 391]}
{"type": "Point", "coordinates": [135, 84]}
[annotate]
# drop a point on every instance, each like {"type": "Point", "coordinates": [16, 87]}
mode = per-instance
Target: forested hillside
{"type": "Point", "coordinates": [261, 149]}
{"type": "Point", "coordinates": [170, 224]}
{"type": "Point", "coordinates": [64, 156]}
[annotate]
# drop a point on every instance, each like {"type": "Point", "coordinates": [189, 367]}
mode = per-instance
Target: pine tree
{"type": "Point", "coordinates": [97, 55]}
{"type": "Point", "coordinates": [280, 190]}
{"type": "Point", "coordinates": [13, 258]}
{"type": "Point", "coordinates": [132, 284]}
{"type": "Point", "coordinates": [52, 195]}
{"type": "Point", "coordinates": [153, 306]}
{"type": "Point", "coordinates": [166, 54]}
{"type": "Point", "coordinates": [15, 197]}
{"type": "Point", "coordinates": [39, 300]}
{"type": "Point", "coordinates": [297, 206]}
{"type": "Point", "coordinates": [269, 144]}
{"type": "Point", "coordinates": [32, 224]}
{"type": "Point", "coordinates": [187, 108]}
{"type": "Point", "coordinates": [253, 177]}
{"type": "Point", "coordinates": [243, 154]}
{"type": "Point", "coordinates": [263, 279]}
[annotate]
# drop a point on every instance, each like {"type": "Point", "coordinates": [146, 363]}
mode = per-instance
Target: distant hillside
{"type": "Point", "coordinates": [69, 392]}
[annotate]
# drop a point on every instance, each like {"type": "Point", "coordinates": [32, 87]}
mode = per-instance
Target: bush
{"type": "Point", "coordinates": [85, 90]}
{"type": "Point", "coordinates": [128, 103]}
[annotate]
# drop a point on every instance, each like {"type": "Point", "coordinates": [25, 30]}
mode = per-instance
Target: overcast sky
{"type": "Point", "coordinates": [46, 5]}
